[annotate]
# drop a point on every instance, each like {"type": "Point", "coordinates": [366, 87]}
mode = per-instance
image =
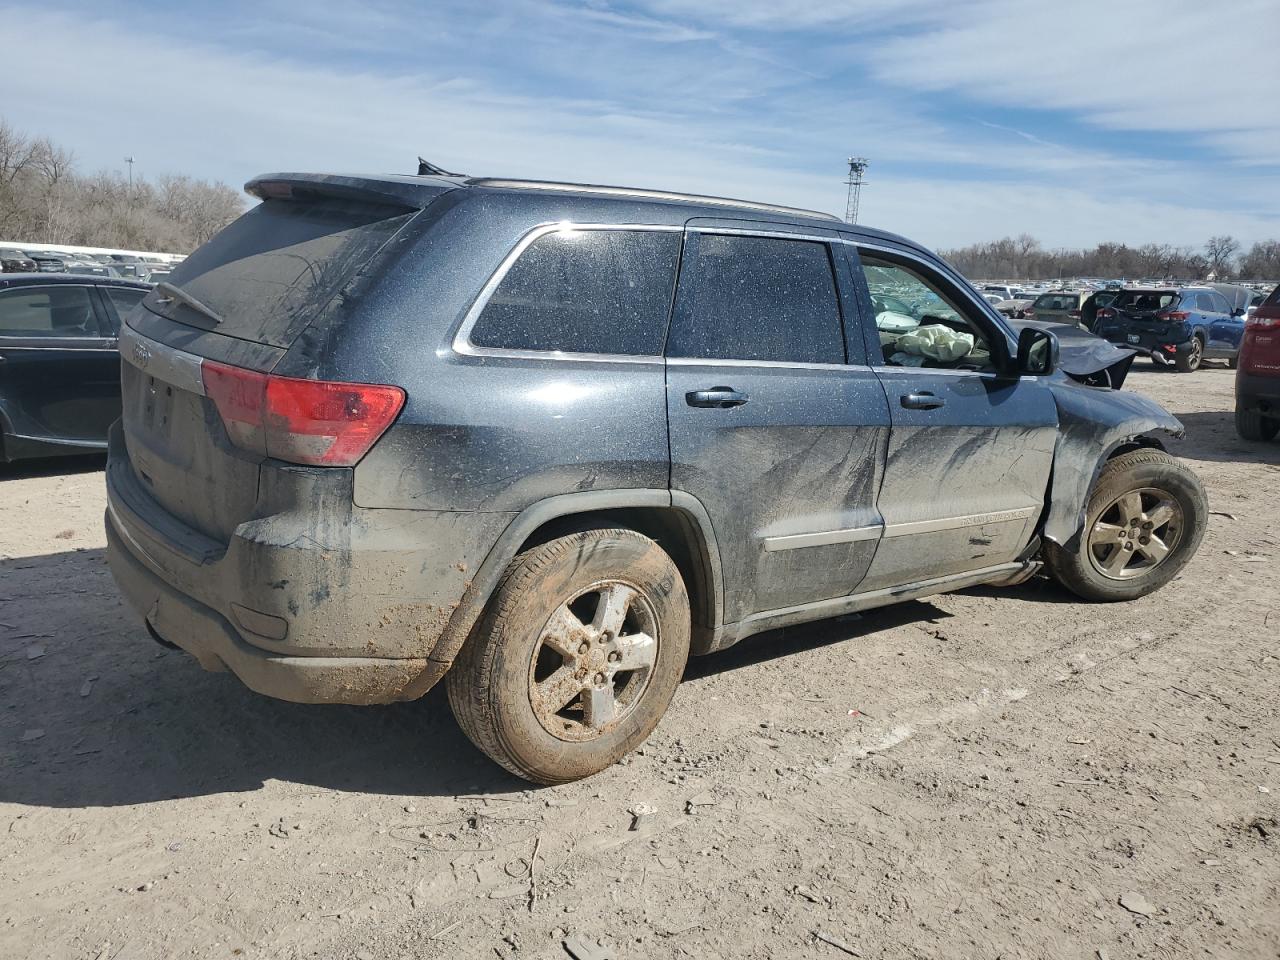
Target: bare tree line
{"type": "Point", "coordinates": [1023, 258]}
{"type": "Point", "coordinates": [44, 199]}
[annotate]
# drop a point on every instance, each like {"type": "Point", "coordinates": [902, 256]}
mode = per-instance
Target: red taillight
{"type": "Point", "coordinates": [1262, 323]}
{"type": "Point", "coordinates": [1173, 315]}
{"type": "Point", "coordinates": [318, 422]}
{"type": "Point", "coordinates": [1029, 313]}
{"type": "Point", "coordinates": [1074, 314]}
{"type": "Point", "coordinates": [1106, 313]}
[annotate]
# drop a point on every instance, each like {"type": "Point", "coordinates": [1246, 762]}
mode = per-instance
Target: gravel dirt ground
{"type": "Point", "coordinates": [996, 773]}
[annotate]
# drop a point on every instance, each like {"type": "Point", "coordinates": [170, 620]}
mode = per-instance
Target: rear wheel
{"type": "Point", "coordinates": [1189, 361]}
{"type": "Point", "coordinates": [1252, 425]}
{"type": "Point", "coordinates": [1145, 519]}
{"type": "Point", "coordinates": [577, 656]}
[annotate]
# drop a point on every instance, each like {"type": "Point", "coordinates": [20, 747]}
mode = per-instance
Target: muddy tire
{"type": "Point", "coordinates": [576, 657]}
{"type": "Point", "coordinates": [1145, 519]}
{"type": "Point", "coordinates": [1251, 425]}
{"type": "Point", "coordinates": [1190, 361]}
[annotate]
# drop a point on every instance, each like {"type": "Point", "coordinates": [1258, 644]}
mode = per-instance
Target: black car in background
{"type": "Point", "coordinates": [15, 261]}
{"type": "Point", "coordinates": [59, 366]}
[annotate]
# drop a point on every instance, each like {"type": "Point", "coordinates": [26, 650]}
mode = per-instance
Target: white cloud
{"type": "Point", "coordinates": [609, 98]}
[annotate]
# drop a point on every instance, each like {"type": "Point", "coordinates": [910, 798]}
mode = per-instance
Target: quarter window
{"type": "Point", "coordinates": [584, 291]}
{"type": "Point", "coordinates": [52, 311]}
{"type": "Point", "coordinates": [756, 298]}
{"type": "Point", "coordinates": [124, 299]}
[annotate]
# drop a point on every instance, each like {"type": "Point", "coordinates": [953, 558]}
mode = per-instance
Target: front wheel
{"type": "Point", "coordinates": [1145, 519]}
{"type": "Point", "coordinates": [576, 657]}
{"type": "Point", "coordinates": [1189, 361]}
{"type": "Point", "coordinates": [1251, 425]}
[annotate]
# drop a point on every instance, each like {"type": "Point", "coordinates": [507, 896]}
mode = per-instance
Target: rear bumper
{"type": "Point", "coordinates": [313, 600]}
{"type": "Point", "coordinates": [1151, 344]}
{"type": "Point", "coordinates": [1258, 393]}
{"type": "Point", "coordinates": [209, 637]}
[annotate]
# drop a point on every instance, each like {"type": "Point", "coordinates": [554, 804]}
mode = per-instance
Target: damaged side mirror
{"type": "Point", "coordinates": [1037, 352]}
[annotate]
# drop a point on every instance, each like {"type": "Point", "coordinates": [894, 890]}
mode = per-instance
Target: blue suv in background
{"type": "Point", "coordinates": [1178, 325]}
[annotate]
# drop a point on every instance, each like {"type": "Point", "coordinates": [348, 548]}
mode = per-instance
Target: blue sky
{"type": "Point", "coordinates": [1139, 120]}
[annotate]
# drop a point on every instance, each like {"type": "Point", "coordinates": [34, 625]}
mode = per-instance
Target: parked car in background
{"type": "Point", "coordinates": [16, 261]}
{"type": "Point", "coordinates": [1178, 325]}
{"type": "Point", "coordinates": [1014, 309]}
{"type": "Point", "coordinates": [565, 435]}
{"type": "Point", "coordinates": [993, 298]}
{"type": "Point", "coordinates": [1092, 304]}
{"type": "Point", "coordinates": [1058, 306]}
{"type": "Point", "coordinates": [1005, 292]}
{"type": "Point", "coordinates": [1258, 373]}
{"type": "Point", "coordinates": [59, 366]}
{"type": "Point", "coordinates": [90, 268]}
{"type": "Point", "coordinates": [47, 262]}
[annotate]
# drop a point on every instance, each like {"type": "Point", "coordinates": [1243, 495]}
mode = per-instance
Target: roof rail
{"type": "Point", "coordinates": [641, 194]}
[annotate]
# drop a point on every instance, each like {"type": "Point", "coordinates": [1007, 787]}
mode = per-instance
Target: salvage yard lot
{"type": "Point", "coordinates": [984, 774]}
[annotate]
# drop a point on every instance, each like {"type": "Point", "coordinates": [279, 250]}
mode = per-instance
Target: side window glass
{"type": "Point", "coordinates": [920, 322]}
{"type": "Point", "coordinates": [124, 299]}
{"type": "Point", "coordinates": [51, 311]}
{"type": "Point", "coordinates": [1220, 304]}
{"type": "Point", "coordinates": [1204, 303]}
{"type": "Point", "coordinates": [584, 291]}
{"type": "Point", "coordinates": [756, 298]}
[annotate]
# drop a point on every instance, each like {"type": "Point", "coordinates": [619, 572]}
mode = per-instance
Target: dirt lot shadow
{"type": "Point", "coordinates": [1212, 436]}
{"type": "Point", "coordinates": [125, 721]}
{"type": "Point", "coordinates": [52, 466]}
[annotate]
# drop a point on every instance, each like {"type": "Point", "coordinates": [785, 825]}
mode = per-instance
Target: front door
{"type": "Point", "coordinates": [774, 427]}
{"type": "Point", "coordinates": [972, 443]}
{"type": "Point", "coordinates": [60, 372]}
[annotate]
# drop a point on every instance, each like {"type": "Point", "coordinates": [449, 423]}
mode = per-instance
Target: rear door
{"type": "Point", "coordinates": [775, 426]}
{"type": "Point", "coordinates": [59, 368]}
{"type": "Point", "coordinates": [1225, 330]}
{"type": "Point", "coordinates": [972, 443]}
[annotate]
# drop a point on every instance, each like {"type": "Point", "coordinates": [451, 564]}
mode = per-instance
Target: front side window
{"type": "Point", "coordinates": [52, 311]}
{"type": "Point", "coordinates": [920, 322]}
{"type": "Point", "coordinates": [756, 298]}
{"type": "Point", "coordinates": [584, 291]}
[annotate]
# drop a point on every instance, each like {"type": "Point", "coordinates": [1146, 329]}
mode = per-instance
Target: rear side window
{"type": "Point", "coordinates": [584, 291]}
{"type": "Point", "coordinates": [756, 298]}
{"type": "Point", "coordinates": [1057, 301]}
{"type": "Point", "coordinates": [123, 299]}
{"type": "Point", "coordinates": [1205, 304]}
{"type": "Point", "coordinates": [53, 311]}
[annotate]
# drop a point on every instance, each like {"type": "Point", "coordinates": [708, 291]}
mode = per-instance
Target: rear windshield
{"type": "Point", "coordinates": [268, 274]}
{"type": "Point", "coordinates": [1057, 301]}
{"type": "Point", "coordinates": [1146, 300]}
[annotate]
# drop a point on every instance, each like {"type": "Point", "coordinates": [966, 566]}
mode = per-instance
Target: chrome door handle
{"type": "Point", "coordinates": [719, 398]}
{"type": "Point", "coordinates": [922, 401]}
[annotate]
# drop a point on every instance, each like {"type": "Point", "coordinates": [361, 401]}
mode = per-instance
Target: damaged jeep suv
{"type": "Point", "coordinates": [545, 441]}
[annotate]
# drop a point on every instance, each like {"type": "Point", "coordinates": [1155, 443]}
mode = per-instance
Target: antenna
{"type": "Point", "coordinates": [129, 161]}
{"type": "Point", "coordinates": [857, 168]}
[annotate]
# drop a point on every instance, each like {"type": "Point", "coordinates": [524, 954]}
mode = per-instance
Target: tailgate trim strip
{"type": "Point", "coordinates": [173, 366]}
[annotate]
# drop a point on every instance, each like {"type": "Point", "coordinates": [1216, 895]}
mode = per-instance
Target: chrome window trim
{"type": "Point", "coordinates": [957, 523]}
{"type": "Point", "coordinates": [764, 232]}
{"type": "Point", "coordinates": [822, 538]}
{"type": "Point", "coordinates": [173, 366]}
{"type": "Point", "coordinates": [765, 364]}
{"type": "Point", "coordinates": [462, 344]}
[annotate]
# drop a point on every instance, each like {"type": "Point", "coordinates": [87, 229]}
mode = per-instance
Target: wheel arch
{"type": "Point", "coordinates": [1093, 428]}
{"type": "Point", "coordinates": [676, 521]}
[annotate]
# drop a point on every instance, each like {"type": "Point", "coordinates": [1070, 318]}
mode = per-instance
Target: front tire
{"type": "Point", "coordinates": [1252, 425]}
{"type": "Point", "coordinates": [1145, 519]}
{"type": "Point", "coordinates": [576, 657]}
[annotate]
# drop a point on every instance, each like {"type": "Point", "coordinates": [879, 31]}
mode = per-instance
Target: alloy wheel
{"type": "Point", "coordinates": [1135, 533]}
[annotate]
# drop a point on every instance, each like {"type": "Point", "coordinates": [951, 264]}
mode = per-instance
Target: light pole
{"type": "Point", "coordinates": [129, 161]}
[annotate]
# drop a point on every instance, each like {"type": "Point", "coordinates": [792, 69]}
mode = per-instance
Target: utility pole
{"type": "Point", "coordinates": [129, 161]}
{"type": "Point", "coordinates": [857, 168]}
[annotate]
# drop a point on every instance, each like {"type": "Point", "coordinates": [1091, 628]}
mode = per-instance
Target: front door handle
{"type": "Point", "coordinates": [717, 397]}
{"type": "Point", "coordinates": [922, 401]}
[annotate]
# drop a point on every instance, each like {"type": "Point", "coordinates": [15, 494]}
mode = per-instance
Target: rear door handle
{"type": "Point", "coordinates": [922, 401]}
{"type": "Point", "coordinates": [717, 398]}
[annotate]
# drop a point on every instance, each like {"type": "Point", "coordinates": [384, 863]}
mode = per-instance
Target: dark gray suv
{"type": "Point", "coordinates": [546, 440]}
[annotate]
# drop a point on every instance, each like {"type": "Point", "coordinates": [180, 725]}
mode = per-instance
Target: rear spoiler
{"type": "Point", "coordinates": [404, 195]}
